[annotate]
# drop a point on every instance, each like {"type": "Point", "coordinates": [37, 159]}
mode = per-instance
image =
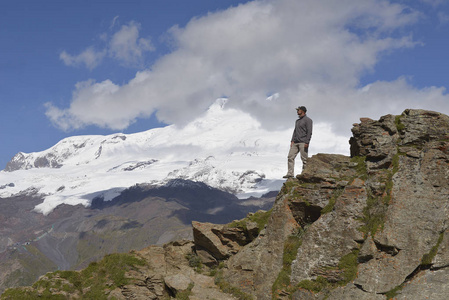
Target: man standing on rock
{"type": "Point", "coordinates": [300, 140]}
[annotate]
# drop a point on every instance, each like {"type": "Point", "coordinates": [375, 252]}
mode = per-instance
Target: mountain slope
{"type": "Point", "coordinates": [70, 237]}
{"type": "Point", "coordinates": [224, 148]}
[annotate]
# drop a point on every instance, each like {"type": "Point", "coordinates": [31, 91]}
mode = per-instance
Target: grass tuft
{"type": "Point", "coordinates": [428, 258]}
{"type": "Point", "coordinates": [360, 166]}
{"type": "Point", "coordinates": [399, 126]}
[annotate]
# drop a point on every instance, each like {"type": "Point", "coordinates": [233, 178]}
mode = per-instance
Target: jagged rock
{"type": "Point", "coordinates": [47, 161]}
{"type": "Point", "coordinates": [376, 140]}
{"type": "Point", "coordinates": [17, 163]}
{"type": "Point", "coordinates": [155, 284]}
{"type": "Point", "coordinates": [334, 234]}
{"type": "Point", "coordinates": [229, 236]}
{"type": "Point", "coordinates": [168, 273]}
{"type": "Point", "coordinates": [205, 257]}
{"type": "Point", "coordinates": [417, 210]}
{"type": "Point", "coordinates": [205, 237]}
{"type": "Point", "coordinates": [255, 267]}
{"type": "Point", "coordinates": [217, 242]}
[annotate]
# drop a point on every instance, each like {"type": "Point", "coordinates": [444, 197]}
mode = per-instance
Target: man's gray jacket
{"type": "Point", "coordinates": [303, 130]}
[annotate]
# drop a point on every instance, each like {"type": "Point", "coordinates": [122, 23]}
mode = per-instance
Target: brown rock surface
{"type": "Point", "coordinates": [254, 269]}
{"type": "Point", "coordinates": [169, 273]}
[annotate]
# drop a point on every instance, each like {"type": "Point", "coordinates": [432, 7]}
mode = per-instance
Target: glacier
{"type": "Point", "coordinates": [224, 148]}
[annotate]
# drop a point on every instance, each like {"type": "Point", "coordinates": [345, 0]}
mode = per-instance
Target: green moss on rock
{"type": "Point", "coordinates": [348, 265]}
{"type": "Point", "coordinates": [291, 246]}
{"type": "Point", "coordinates": [359, 164]}
{"type": "Point", "coordinates": [399, 126]}
{"type": "Point", "coordinates": [428, 258]}
{"type": "Point", "coordinates": [260, 218]}
{"type": "Point", "coordinates": [330, 206]}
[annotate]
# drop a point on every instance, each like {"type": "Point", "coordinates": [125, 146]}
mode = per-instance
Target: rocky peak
{"type": "Point", "coordinates": [370, 226]}
{"type": "Point", "coordinates": [379, 141]}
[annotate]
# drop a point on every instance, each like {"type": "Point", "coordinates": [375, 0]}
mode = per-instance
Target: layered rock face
{"type": "Point", "coordinates": [370, 226]}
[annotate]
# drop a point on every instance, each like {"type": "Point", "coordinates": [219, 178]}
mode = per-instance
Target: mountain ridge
{"type": "Point", "coordinates": [224, 148]}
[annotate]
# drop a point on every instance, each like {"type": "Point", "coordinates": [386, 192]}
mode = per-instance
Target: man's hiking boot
{"type": "Point", "coordinates": [287, 176]}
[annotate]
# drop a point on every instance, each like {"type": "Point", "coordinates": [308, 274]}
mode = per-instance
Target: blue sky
{"type": "Point", "coordinates": [99, 67]}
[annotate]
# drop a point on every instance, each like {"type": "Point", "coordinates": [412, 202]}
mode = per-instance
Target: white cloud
{"type": "Point", "coordinates": [125, 45]}
{"type": "Point", "coordinates": [90, 58]}
{"type": "Point", "coordinates": [310, 53]}
{"type": "Point", "coordinates": [95, 104]}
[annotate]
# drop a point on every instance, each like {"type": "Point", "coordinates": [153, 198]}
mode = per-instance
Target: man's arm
{"type": "Point", "coordinates": [309, 126]}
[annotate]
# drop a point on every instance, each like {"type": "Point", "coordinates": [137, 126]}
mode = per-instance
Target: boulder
{"type": "Point", "coordinates": [206, 239]}
{"type": "Point", "coordinates": [177, 283]}
{"type": "Point", "coordinates": [217, 242]}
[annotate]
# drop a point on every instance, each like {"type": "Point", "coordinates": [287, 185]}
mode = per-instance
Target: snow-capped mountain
{"type": "Point", "coordinates": [223, 148]}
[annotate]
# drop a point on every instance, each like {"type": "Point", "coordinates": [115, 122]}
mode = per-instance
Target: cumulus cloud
{"type": "Point", "coordinates": [94, 105]}
{"type": "Point", "coordinates": [310, 53]}
{"type": "Point", "coordinates": [125, 46]}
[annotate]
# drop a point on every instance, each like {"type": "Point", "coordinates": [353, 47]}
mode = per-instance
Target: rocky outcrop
{"type": "Point", "coordinates": [214, 242]}
{"type": "Point", "coordinates": [416, 199]}
{"type": "Point", "coordinates": [370, 226]}
{"type": "Point", "coordinates": [375, 223]}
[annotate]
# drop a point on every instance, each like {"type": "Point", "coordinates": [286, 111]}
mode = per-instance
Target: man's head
{"type": "Point", "coordinates": [301, 110]}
